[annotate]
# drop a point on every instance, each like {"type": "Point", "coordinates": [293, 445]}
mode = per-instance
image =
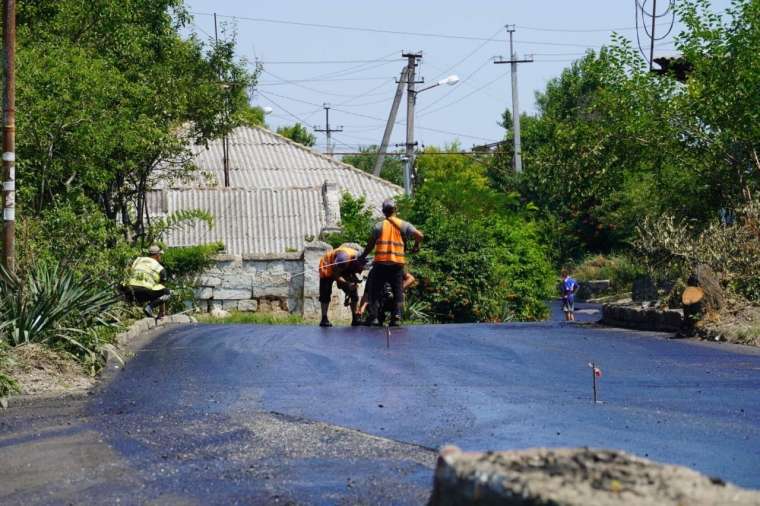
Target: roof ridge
{"type": "Point", "coordinates": [325, 157]}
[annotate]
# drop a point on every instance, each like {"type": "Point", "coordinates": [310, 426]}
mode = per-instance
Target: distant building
{"type": "Point", "coordinates": [282, 196]}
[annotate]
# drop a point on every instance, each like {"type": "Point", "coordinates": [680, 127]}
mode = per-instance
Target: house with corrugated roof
{"type": "Point", "coordinates": [281, 198]}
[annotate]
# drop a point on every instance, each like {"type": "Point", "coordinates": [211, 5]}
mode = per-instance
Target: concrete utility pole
{"type": "Point", "coordinates": [411, 99]}
{"type": "Point", "coordinates": [225, 140]}
{"type": "Point", "coordinates": [513, 61]}
{"type": "Point", "coordinates": [391, 121]}
{"type": "Point", "coordinates": [9, 137]}
{"type": "Point", "coordinates": [327, 130]}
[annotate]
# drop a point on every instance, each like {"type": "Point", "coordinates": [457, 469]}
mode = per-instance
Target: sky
{"type": "Point", "coordinates": [352, 64]}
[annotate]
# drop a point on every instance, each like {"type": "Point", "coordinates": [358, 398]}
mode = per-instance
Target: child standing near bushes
{"type": "Point", "coordinates": [568, 287]}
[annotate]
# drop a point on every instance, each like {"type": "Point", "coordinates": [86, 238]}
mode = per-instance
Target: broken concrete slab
{"type": "Point", "coordinates": [574, 477]}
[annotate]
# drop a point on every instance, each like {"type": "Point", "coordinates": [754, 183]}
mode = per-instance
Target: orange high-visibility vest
{"type": "Point", "coordinates": [326, 263]}
{"type": "Point", "coordinates": [389, 247]}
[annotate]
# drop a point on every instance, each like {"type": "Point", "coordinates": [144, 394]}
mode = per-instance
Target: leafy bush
{"type": "Point", "coordinates": [8, 385]}
{"type": "Point", "coordinates": [620, 269]}
{"type": "Point", "coordinates": [52, 306]}
{"type": "Point", "coordinates": [672, 247]}
{"type": "Point", "coordinates": [79, 238]}
{"type": "Point", "coordinates": [182, 265]}
{"type": "Point", "coordinates": [356, 221]}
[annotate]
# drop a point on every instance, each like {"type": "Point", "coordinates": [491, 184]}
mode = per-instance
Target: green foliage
{"type": "Point", "coordinates": [254, 318]}
{"type": "Point", "coordinates": [187, 261]}
{"type": "Point", "coordinates": [298, 133]}
{"type": "Point", "coordinates": [393, 167]}
{"type": "Point", "coordinates": [481, 260]}
{"type": "Point", "coordinates": [178, 220]}
{"type": "Point", "coordinates": [76, 235]}
{"type": "Point", "coordinates": [8, 385]}
{"type": "Point", "coordinates": [356, 221]}
{"type": "Point", "coordinates": [620, 269]}
{"type": "Point", "coordinates": [251, 116]}
{"type": "Point", "coordinates": [51, 306]}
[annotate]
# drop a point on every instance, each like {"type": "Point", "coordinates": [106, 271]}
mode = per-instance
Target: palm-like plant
{"type": "Point", "coordinates": [50, 305]}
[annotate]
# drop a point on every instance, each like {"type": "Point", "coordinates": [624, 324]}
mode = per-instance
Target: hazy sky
{"type": "Point", "coordinates": [354, 70]}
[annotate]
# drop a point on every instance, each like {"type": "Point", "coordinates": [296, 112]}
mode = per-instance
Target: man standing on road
{"type": "Point", "coordinates": [146, 282]}
{"type": "Point", "coordinates": [388, 239]}
{"type": "Point", "coordinates": [568, 287]}
{"type": "Point", "coordinates": [339, 266]}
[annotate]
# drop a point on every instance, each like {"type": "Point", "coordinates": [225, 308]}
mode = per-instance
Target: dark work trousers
{"type": "Point", "coordinates": [142, 295]}
{"type": "Point", "coordinates": [378, 276]}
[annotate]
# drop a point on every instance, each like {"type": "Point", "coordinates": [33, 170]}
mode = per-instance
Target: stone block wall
{"type": "Point", "coordinates": [281, 283]}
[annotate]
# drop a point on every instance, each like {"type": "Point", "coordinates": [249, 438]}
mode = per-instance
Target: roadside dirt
{"type": "Point", "coordinates": [38, 369]}
{"type": "Point", "coordinates": [738, 324]}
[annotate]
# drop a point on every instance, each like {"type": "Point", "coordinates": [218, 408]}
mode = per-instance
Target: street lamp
{"type": "Point", "coordinates": [267, 110]}
{"type": "Point", "coordinates": [411, 101]}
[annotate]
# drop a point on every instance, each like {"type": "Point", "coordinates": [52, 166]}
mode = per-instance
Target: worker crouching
{"type": "Point", "coordinates": [145, 284]}
{"type": "Point", "coordinates": [340, 266]}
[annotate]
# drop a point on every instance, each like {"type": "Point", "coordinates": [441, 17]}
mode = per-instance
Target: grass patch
{"type": "Point", "coordinates": [257, 318]}
{"type": "Point", "coordinates": [621, 270]}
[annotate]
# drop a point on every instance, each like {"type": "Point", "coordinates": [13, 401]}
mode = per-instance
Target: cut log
{"type": "Point", "coordinates": [692, 295]}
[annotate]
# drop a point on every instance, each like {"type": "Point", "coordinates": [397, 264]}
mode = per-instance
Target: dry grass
{"type": "Point", "coordinates": [39, 369]}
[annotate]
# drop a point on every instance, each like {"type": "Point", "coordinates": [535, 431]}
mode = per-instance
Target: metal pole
{"type": "Point", "coordinates": [327, 128]}
{"type": "Point", "coordinates": [391, 121]}
{"type": "Point", "coordinates": [9, 137]}
{"type": "Point", "coordinates": [411, 99]}
{"type": "Point", "coordinates": [515, 104]}
{"type": "Point", "coordinates": [651, 45]}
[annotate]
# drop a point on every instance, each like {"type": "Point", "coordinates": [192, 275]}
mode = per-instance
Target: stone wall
{"type": "Point", "coordinates": [642, 318]}
{"type": "Point", "coordinates": [282, 283]}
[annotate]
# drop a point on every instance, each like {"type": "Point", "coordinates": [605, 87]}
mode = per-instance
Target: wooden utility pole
{"type": "Point", "coordinates": [9, 136]}
{"type": "Point", "coordinates": [513, 61]}
{"type": "Point", "coordinates": [389, 126]}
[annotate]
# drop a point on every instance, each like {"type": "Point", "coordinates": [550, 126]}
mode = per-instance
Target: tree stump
{"type": "Point", "coordinates": [702, 295]}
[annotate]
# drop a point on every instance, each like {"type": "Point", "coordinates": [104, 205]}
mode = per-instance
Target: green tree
{"type": "Point", "coordinates": [298, 133]}
{"type": "Point", "coordinates": [393, 167]}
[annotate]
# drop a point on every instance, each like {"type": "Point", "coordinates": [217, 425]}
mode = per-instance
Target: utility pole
{"type": "Point", "coordinates": [327, 130]}
{"type": "Point", "coordinates": [225, 143]}
{"type": "Point", "coordinates": [411, 99]}
{"type": "Point", "coordinates": [651, 43]}
{"type": "Point", "coordinates": [9, 137]}
{"type": "Point", "coordinates": [513, 61]}
{"type": "Point", "coordinates": [391, 121]}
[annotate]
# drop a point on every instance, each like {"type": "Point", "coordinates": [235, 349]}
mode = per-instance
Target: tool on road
{"type": "Point", "coordinates": [595, 374]}
{"type": "Point", "coordinates": [387, 337]}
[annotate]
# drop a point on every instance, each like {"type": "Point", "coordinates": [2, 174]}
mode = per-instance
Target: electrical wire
{"type": "Point", "coordinates": [321, 62]}
{"type": "Point", "coordinates": [465, 79]}
{"type": "Point", "coordinates": [446, 106]}
{"type": "Point", "coordinates": [384, 31]}
{"type": "Point", "coordinates": [576, 30]}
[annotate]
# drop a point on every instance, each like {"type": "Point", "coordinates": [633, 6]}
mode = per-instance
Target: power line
{"type": "Point", "coordinates": [446, 106]}
{"type": "Point", "coordinates": [292, 81]}
{"type": "Point", "coordinates": [464, 80]}
{"type": "Point", "coordinates": [321, 62]}
{"type": "Point", "coordinates": [577, 30]}
{"type": "Point", "coordinates": [380, 30]}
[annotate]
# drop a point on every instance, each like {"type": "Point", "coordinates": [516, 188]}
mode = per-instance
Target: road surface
{"type": "Point", "coordinates": [224, 414]}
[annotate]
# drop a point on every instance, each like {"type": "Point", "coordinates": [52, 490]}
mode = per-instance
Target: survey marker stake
{"type": "Point", "coordinates": [595, 373]}
{"type": "Point", "coordinates": [387, 337]}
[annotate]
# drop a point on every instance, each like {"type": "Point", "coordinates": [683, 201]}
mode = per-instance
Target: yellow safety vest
{"type": "Point", "coordinates": [146, 272]}
{"type": "Point", "coordinates": [389, 247]}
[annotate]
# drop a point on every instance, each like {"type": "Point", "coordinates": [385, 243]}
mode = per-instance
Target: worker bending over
{"type": "Point", "coordinates": [388, 239]}
{"type": "Point", "coordinates": [146, 280]}
{"type": "Point", "coordinates": [340, 266]}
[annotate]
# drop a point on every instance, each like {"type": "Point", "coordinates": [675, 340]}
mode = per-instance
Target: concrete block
{"type": "Point", "coordinates": [230, 294]}
{"type": "Point", "coordinates": [203, 293]}
{"type": "Point", "coordinates": [247, 305]}
{"type": "Point", "coordinates": [207, 280]}
{"type": "Point", "coordinates": [570, 476]}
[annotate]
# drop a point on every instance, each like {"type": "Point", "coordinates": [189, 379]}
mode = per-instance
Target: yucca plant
{"type": "Point", "coordinates": [50, 305]}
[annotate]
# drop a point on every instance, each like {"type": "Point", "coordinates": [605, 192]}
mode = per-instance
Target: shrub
{"type": "Point", "coordinates": [52, 306]}
{"type": "Point", "coordinates": [356, 221]}
{"type": "Point", "coordinates": [620, 269]}
{"type": "Point", "coordinates": [182, 264]}
{"type": "Point", "coordinates": [674, 248]}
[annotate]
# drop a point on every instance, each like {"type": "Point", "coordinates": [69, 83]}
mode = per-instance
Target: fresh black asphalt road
{"type": "Point", "coordinates": [228, 414]}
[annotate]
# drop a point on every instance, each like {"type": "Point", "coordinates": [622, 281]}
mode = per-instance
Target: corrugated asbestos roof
{"type": "Point", "coordinates": [247, 221]}
{"type": "Point", "coordinates": [259, 158]}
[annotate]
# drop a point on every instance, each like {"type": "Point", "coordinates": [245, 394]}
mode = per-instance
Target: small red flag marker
{"type": "Point", "coordinates": [595, 373]}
